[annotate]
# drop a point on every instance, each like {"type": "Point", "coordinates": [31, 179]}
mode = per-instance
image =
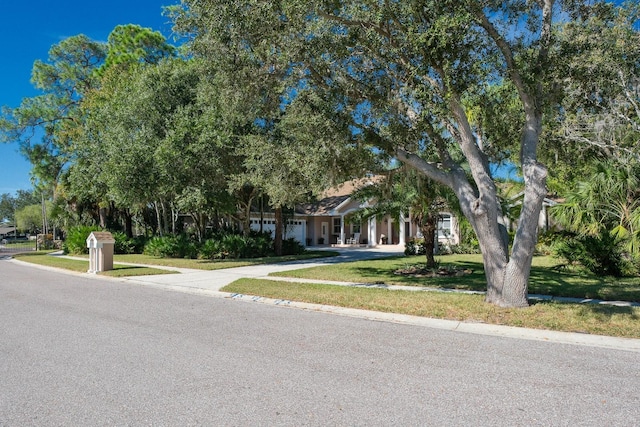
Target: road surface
{"type": "Point", "coordinates": [84, 351]}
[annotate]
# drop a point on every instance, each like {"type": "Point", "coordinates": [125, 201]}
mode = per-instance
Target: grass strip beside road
{"type": "Point", "coordinates": [81, 266]}
{"type": "Point", "coordinates": [583, 318]}
{"type": "Point", "coordinates": [205, 264]}
{"type": "Point", "coordinates": [547, 277]}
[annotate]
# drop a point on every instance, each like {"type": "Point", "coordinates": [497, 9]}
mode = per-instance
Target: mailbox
{"type": "Point", "coordinates": [100, 244]}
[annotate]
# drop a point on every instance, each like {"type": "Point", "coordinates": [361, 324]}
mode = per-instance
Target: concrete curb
{"type": "Point", "coordinates": [572, 338]}
{"type": "Point", "coordinates": [613, 343]}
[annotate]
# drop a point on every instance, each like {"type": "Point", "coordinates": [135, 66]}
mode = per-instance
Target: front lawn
{"type": "Point", "coordinates": [205, 264]}
{"type": "Point", "coordinates": [583, 318]}
{"type": "Point", "coordinates": [547, 277]}
{"type": "Point", "coordinates": [81, 266]}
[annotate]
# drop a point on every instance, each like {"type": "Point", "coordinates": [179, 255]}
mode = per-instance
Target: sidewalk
{"type": "Point", "coordinates": [215, 280]}
{"type": "Point", "coordinates": [211, 282]}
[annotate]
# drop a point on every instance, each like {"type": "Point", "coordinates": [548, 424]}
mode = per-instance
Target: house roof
{"type": "Point", "coordinates": [333, 198]}
{"type": "Point", "coordinates": [6, 229]}
{"type": "Point", "coordinates": [101, 236]}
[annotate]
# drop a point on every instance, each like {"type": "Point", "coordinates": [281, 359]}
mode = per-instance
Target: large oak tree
{"type": "Point", "coordinates": [404, 75]}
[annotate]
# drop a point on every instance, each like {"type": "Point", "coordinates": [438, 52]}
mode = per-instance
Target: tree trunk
{"type": "Point", "coordinates": [159, 219]}
{"type": "Point", "coordinates": [428, 229]}
{"type": "Point", "coordinates": [174, 218]}
{"type": "Point", "coordinates": [277, 240]}
{"type": "Point", "coordinates": [128, 223]}
{"type": "Point", "coordinates": [102, 211]}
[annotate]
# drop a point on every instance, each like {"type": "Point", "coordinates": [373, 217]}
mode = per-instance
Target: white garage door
{"type": "Point", "coordinates": [295, 228]}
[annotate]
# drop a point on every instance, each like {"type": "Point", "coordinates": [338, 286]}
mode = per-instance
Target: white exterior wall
{"type": "Point", "coordinates": [295, 228]}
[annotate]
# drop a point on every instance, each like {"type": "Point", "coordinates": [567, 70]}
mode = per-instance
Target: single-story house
{"type": "Point", "coordinates": [7, 230]}
{"type": "Point", "coordinates": [325, 222]}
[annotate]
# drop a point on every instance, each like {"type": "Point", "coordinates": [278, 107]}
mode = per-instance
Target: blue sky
{"type": "Point", "coordinates": [29, 28]}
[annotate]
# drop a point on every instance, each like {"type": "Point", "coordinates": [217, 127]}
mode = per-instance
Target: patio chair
{"type": "Point", "coordinates": [355, 240]}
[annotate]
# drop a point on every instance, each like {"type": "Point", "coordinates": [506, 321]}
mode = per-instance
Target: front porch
{"type": "Point", "coordinates": [336, 231]}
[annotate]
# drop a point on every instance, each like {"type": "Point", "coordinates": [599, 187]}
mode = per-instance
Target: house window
{"type": "Point", "coordinates": [336, 225]}
{"type": "Point", "coordinates": [444, 226]}
{"type": "Point", "coordinates": [355, 228]}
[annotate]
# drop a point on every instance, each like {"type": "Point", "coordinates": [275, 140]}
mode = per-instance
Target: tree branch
{"type": "Point", "coordinates": [507, 54]}
{"type": "Point", "coordinates": [429, 169]}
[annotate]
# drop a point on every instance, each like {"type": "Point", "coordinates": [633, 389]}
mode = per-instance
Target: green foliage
{"type": "Point", "coordinates": [75, 242]}
{"type": "Point", "coordinates": [418, 247]}
{"type": "Point", "coordinates": [7, 210]}
{"type": "Point", "coordinates": [10, 204]}
{"type": "Point", "coordinates": [467, 235]}
{"type": "Point", "coordinates": [63, 80]}
{"type": "Point", "coordinates": [601, 254]}
{"type": "Point", "coordinates": [223, 245]}
{"type": "Point", "coordinates": [263, 243]}
{"type": "Point", "coordinates": [414, 247]}
{"type": "Point", "coordinates": [212, 249]}
{"type": "Point", "coordinates": [130, 44]}
{"type": "Point", "coordinates": [598, 115]}
{"type": "Point", "coordinates": [462, 248]}
{"type": "Point", "coordinates": [236, 246]}
{"type": "Point", "coordinates": [291, 246]}
{"type": "Point", "coordinates": [607, 202]}
{"type": "Point", "coordinates": [29, 218]}
{"type": "Point", "coordinates": [126, 245]}
{"type": "Point", "coordinates": [171, 247]}
{"type": "Point", "coordinates": [253, 246]}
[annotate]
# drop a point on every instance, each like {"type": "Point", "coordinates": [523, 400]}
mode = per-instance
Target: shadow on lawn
{"type": "Point", "coordinates": [603, 312]}
{"type": "Point", "coordinates": [567, 283]}
{"type": "Point", "coordinates": [606, 312]}
{"type": "Point", "coordinates": [544, 280]}
{"type": "Point", "coordinates": [475, 281]}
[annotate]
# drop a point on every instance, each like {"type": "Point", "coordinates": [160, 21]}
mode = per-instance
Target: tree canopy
{"type": "Point", "coordinates": [284, 98]}
{"type": "Point", "coordinates": [399, 75]}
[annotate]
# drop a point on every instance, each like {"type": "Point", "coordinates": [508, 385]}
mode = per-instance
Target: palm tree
{"type": "Point", "coordinates": [608, 201]}
{"type": "Point", "coordinates": [404, 190]}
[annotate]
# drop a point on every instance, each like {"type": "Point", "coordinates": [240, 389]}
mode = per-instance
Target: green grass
{"type": "Point", "coordinates": [81, 266]}
{"type": "Point", "coordinates": [545, 278]}
{"type": "Point", "coordinates": [584, 318]}
{"type": "Point", "coordinates": [201, 264]}
{"type": "Point", "coordinates": [126, 270]}
{"type": "Point", "coordinates": [23, 244]}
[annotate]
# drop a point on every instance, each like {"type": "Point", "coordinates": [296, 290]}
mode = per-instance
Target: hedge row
{"type": "Point", "coordinates": [221, 246]}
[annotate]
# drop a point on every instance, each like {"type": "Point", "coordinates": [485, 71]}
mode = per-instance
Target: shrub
{"type": "Point", "coordinates": [414, 247]}
{"type": "Point", "coordinates": [171, 247]}
{"type": "Point", "coordinates": [212, 249]}
{"type": "Point", "coordinates": [292, 247]}
{"type": "Point", "coordinates": [263, 243]}
{"type": "Point", "coordinates": [123, 244]}
{"type": "Point", "coordinates": [234, 245]}
{"type": "Point", "coordinates": [228, 244]}
{"type": "Point", "coordinates": [601, 254]}
{"type": "Point", "coordinates": [462, 248]}
{"type": "Point", "coordinates": [410, 248]}
{"type": "Point", "coordinates": [76, 240]}
{"type": "Point", "coordinates": [138, 243]}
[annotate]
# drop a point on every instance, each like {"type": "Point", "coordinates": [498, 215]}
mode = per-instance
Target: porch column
{"type": "Point", "coordinates": [342, 239]}
{"type": "Point", "coordinates": [401, 229]}
{"type": "Point", "coordinates": [389, 231]}
{"type": "Point", "coordinates": [371, 240]}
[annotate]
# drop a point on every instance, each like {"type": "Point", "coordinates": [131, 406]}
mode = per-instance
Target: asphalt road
{"type": "Point", "coordinates": [77, 351]}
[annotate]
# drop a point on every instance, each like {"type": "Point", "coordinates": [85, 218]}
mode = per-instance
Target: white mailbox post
{"type": "Point", "coordinates": [100, 244]}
